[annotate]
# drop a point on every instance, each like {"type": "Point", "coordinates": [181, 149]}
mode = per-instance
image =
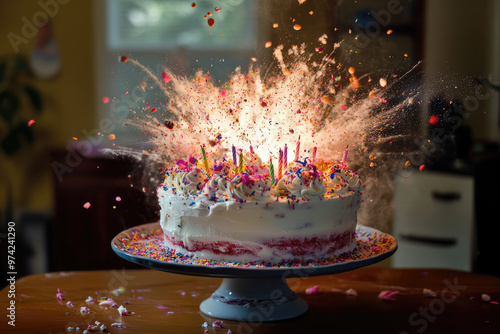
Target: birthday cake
{"type": "Point", "coordinates": [248, 211]}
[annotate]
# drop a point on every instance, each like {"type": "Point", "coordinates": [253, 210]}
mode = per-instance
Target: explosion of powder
{"type": "Point", "coordinates": [323, 103]}
{"type": "Point", "coordinates": [312, 102]}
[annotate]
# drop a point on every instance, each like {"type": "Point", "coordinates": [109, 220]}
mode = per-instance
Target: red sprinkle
{"type": "Point", "coordinates": [433, 120]}
{"type": "Point", "coordinates": [165, 77]}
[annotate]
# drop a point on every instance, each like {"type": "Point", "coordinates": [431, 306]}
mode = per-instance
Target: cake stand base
{"type": "Point", "coordinates": [249, 293]}
{"type": "Point", "coordinates": [254, 300]}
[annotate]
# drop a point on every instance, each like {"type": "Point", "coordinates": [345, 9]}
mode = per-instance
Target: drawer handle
{"type": "Point", "coordinates": [446, 196]}
{"type": "Point", "coordinates": [429, 240]}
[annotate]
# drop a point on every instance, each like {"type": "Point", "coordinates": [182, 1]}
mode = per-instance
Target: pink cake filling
{"type": "Point", "coordinates": [311, 246]}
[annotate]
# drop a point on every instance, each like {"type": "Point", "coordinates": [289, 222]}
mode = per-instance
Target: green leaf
{"type": "Point", "coordinates": [11, 143]}
{"type": "Point", "coordinates": [3, 69]}
{"type": "Point", "coordinates": [21, 65]}
{"type": "Point", "coordinates": [9, 105]}
{"type": "Point", "coordinates": [26, 131]}
{"type": "Point", "coordinates": [35, 98]}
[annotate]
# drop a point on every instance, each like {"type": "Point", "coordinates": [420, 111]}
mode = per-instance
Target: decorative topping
{"type": "Point", "coordinates": [247, 178]}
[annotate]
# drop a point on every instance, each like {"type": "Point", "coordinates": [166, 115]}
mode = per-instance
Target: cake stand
{"type": "Point", "coordinates": [249, 292]}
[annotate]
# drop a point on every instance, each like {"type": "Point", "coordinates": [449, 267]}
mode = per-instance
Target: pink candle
{"type": "Point", "coordinates": [280, 164]}
{"type": "Point", "coordinates": [315, 149]}
{"type": "Point", "coordinates": [285, 157]}
{"type": "Point", "coordinates": [297, 149]}
{"type": "Point", "coordinates": [344, 158]}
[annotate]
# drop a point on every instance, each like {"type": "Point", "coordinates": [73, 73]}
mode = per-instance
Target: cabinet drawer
{"type": "Point", "coordinates": [434, 204]}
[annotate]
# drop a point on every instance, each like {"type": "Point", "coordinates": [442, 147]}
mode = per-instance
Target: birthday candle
{"type": "Point", "coordinates": [240, 164]}
{"type": "Point", "coordinates": [205, 162]}
{"type": "Point", "coordinates": [235, 163]}
{"type": "Point", "coordinates": [251, 149]}
{"type": "Point", "coordinates": [344, 158]}
{"type": "Point", "coordinates": [297, 149]}
{"type": "Point", "coordinates": [285, 157]}
{"type": "Point", "coordinates": [315, 149]}
{"type": "Point", "coordinates": [280, 164]}
{"type": "Point", "coordinates": [271, 170]}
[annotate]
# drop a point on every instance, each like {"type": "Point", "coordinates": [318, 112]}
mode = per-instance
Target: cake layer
{"type": "Point", "coordinates": [250, 216]}
{"type": "Point", "coordinates": [269, 251]}
{"type": "Point", "coordinates": [259, 231]}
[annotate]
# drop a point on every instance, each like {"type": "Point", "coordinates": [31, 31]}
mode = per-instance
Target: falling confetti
{"type": "Point", "coordinates": [165, 77]}
{"type": "Point", "coordinates": [421, 168]}
{"type": "Point", "coordinates": [313, 290]}
{"type": "Point", "coordinates": [86, 205]}
{"type": "Point", "coordinates": [268, 44]}
{"type": "Point", "coordinates": [275, 25]}
{"type": "Point", "coordinates": [388, 296]}
{"type": "Point", "coordinates": [326, 99]}
{"type": "Point", "coordinates": [153, 109]}
{"type": "Point", "coordinates": [297, 27]}
{"type": "Point", "coordinates": [217, 9]}
{"type": "Point", "coordinates": [31, 122]}
{"type": "Point", "coordinates": [383, 82]}
{"type": "Point", "coordinates": [123, 59]}
{"type": "Point", "coordinates": [143, 85]}
{"type": "Point", "coordinates": [118, 198]}
{"type": "Point", "coordinates": [193, 5]}
{"type": "Point", "coordinates": [389, 31]}
{"type": "Point", "coordinates": [433, 120]}
{"type": "Point", "coordinates": [105, 99]}
{"type": "Point", "coordinates": [111, 137]}
{"type": "Point", "coordinates": [210, 22]}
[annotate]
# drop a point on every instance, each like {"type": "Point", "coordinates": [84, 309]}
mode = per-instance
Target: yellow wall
{"type": "Point", "coordinates": [68, 98]}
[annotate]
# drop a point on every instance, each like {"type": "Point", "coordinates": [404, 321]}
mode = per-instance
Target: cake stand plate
{"type": "Point", "coordinates": [249, 292]}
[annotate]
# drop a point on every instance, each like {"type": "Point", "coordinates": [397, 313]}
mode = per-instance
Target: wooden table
{"type": "Point", "coordinates": [169, 303]}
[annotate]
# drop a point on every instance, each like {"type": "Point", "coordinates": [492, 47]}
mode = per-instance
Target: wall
{"type": "Point", "coordinates": [68, 98]}
{"type": "Point", "coordinates": [462, 42]}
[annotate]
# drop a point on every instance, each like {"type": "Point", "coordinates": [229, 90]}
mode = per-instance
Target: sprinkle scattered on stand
{"type": "Point", "coordinates": [388, 295]}
{"type": "Point", "coordinates": [313, 290]}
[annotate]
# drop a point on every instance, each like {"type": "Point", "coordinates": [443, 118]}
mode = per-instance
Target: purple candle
{"type": "Point", "coordinates": [235, 162]}
{"type": "Point", "coordinates": [344, 158]}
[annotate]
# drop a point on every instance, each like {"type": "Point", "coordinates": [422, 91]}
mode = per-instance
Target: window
{"type": "Point", "coordinates": [169, 33]}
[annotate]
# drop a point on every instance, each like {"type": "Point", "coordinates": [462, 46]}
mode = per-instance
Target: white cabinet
{"type": "Point", "coordinates": [434, 220]}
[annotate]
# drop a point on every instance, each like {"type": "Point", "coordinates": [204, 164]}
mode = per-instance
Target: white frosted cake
{"type": "Point", "coordinates": [239, 214]}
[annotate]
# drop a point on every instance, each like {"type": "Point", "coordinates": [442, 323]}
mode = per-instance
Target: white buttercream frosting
{"type": "Point", "coordinates": [246, 210]}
